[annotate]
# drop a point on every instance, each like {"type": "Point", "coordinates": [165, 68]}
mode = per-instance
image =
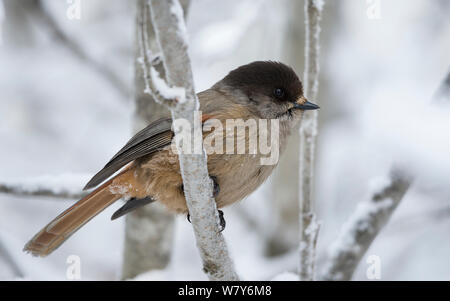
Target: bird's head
{"type": "Point", "coordinates": [271, 90]}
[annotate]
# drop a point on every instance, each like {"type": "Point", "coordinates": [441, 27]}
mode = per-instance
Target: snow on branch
{"type": "Point", "coordinates": [364, 225]}
{"type": "Point", "coordinates": [371, 215]}
{"type": "Point", "coordinates": [2, 18]}
{"type": "Point", "coordinates": [309, 228]}
{"type": "Point", "coordinates": [178, 94]}
{"type": "Point", "coordinates": [9, 258]}
{"type": "Point", "coordinates": [442, 95]}
{"type": "Point", "coordinates": [51, 25]}
{"type": "Point", "coordinates": [66, 186]}
{"type": "Point", "coordinates": [149, 230]}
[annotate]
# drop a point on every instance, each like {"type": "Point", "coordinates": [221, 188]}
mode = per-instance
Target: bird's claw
{"type": "Point", "coordinates": [216, 187]}
{"type": "Point", "coordinates": [222, 221]}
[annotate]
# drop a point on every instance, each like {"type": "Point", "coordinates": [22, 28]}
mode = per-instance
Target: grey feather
{"type": "Point", "coordinates": [154, 137]}
{"type": "Point", "coordinates": [130, 205]}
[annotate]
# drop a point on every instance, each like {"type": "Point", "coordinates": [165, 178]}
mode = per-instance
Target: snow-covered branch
{"type": "Point", "coordinates": [66, 186]}
{"type": "Point", "coordinates": [309, 228]}
{"type": "Point", "coordinates": [39, 14]}
{"type": "Point", "coordinates": [364, 225]}
{"type": "Point", "coordinates": [371, 215]}
{"type": "Point", "coordinates": [442, 94]}
{"type": "Point", "coordinates": [9, 259]}
{"type": "Point", "coordinates": [149, 230]}
{"type": "Point", "coordinates": [178, 94]}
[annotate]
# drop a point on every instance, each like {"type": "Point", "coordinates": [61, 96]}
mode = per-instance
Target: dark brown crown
{"type": "Point", "coordinates": [264, 77]}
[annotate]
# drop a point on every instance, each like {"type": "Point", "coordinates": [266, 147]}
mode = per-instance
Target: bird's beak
{"type": "Point", "coordinates": [303, 104]}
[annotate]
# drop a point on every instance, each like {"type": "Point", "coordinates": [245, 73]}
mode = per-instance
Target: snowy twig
{"type": "Point", "coordinates": [179, 96]}
{"type": "Point", "coordinates": [442, 94]}
{"type": "Point", "coordinates": [103, 70]}
{"type": "Point", "coordinates": [363, 226]}
{"type": "Point", "coordinates": [9, 259]}
{"type": "Point", "coordinates": [2, 18]}
{"type": "Point", "coordinates": [19, 190]}
{"type": "Point", "coordinates": [370, 216]}
{"type": "Point", "coordinates": [63, 186]}
{"type": "Point", "coordinates": [309, 228]}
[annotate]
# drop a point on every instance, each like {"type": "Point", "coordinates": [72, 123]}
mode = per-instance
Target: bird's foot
{"type": "Point", "coordinates": [222, 221]}
{"type": "Point", "coordinates": [216, 187]}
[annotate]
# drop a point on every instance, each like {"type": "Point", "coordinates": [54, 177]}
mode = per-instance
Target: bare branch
{"type": "Point", "coordinates": [309, 228]}
{"type": "Point", "coordinates": [179, 96]}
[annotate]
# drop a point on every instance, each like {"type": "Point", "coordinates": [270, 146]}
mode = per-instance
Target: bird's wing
{"type": "Point", "coordinates": [154, 137]}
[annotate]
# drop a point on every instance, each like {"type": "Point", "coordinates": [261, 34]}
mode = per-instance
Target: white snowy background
{"type": "Point", "coordinates": [60, 121]}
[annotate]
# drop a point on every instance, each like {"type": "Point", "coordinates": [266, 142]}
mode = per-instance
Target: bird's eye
{"type": "Point", "coordinates": [278, 92]}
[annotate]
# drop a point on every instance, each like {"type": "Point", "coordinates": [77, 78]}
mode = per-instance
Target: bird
{"type": "Point", "coordinates": [147, 168]}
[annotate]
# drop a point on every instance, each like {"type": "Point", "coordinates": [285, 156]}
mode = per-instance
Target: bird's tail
{"type": "Point", "coordinates": [72, 219]}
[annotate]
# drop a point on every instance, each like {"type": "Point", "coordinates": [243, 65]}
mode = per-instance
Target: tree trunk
{"type": "Point", "coordinates": [284, 196]}
{"type": "Point", "coordinates": [178, 94]}
{"type": "Point", "coordinates": [148, 230]}
{"type": "Point", "coordinates": [17, 29]}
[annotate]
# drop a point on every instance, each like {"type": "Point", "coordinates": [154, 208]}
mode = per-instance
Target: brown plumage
{"type": "Point", "coordinates": [73, 218]}
{"type": "Point", "coordinates": [152, 174]}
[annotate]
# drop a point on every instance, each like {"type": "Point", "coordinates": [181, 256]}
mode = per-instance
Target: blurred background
{"type": "Point", "coordinates": [67, 104]}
